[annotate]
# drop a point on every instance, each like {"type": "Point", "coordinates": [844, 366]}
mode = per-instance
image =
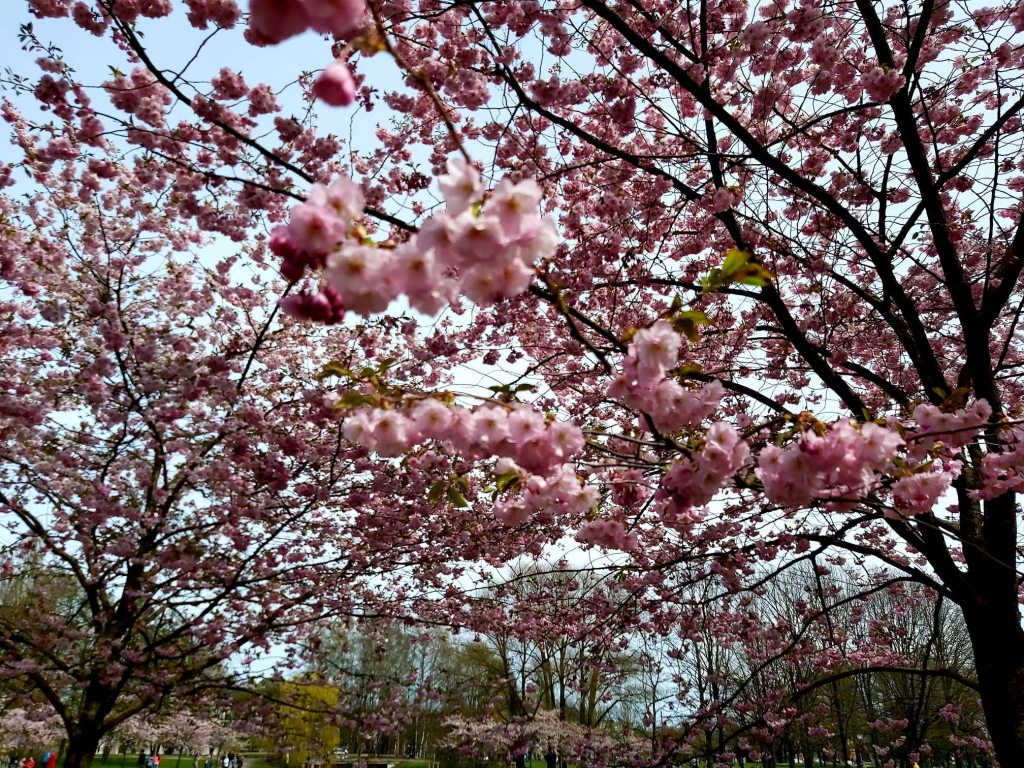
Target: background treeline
{"type": "Point", "coordinates": [811, 668]}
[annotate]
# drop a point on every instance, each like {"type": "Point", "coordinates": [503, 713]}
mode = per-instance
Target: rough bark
{"type": "Point", "coordinates": [998, 643]}
{"type": "Point", "coordinates": [82, 745]}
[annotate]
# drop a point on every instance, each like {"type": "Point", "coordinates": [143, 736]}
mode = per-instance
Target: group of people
{"type": "Point", "coordinates": [49, 761]}
{"type": "Point", "coordinates": [230, 760]}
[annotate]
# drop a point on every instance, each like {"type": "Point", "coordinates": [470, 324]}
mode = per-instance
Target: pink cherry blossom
{"type": "Point", "coordinates": [335, 86]}
{"type": "Point", "coordinates": [461, 186]}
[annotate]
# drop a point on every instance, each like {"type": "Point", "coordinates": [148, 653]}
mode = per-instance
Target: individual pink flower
{"type": "Point", "coordinates": [461, 186]}
{"type": "Point", "coordinates": [537, 455]}
{"type": "Point", "coordinates": [490, 425]}
{"type": "Point", "coordinates": [657, 349]}
{"type": "Point", "coordinates": [359, 427]}
{"type": "Point", "coordinates": [512, 513]}
{"type": "Point", "coordinates": [525, 424]}
{"type": "Point", "coordinates": [505, 465]}
{"type": "Point", "coordinates": [419, 269]}
{"type": "Point", "coordinates": [431, 418]}
{"type": "Point", "coordinates": [335, 86]}
{"type": "Point", "coordinates": [314, 228]}
{"type": "Point", "coordinates": [343, 196]}
{"type": "Point", "coordinates": [430, 302]}
{"type": "Point", "coordinates": [335, 17]}
{"type": "Point", "coordinates": [481, 285]}
{"type": "Point", "coordinates": [391, 434]}
{"type": "Point", "coordinates": [439, 233]}
{"type": "Point", "coordinates": [538, 243]}
{"type": "Point", "coordinates": [353, 269]}
{"type": "Point", "coordinates": [566, 439]}
{"type": "Point", "coordinates": [879, 445]}
{"type": "Point", "coordinates": [480, 238]}
{"type": "Point", "coordinates": [513, 277]}
{"type": "Point", "coordinates": [724, 449]}
{"type": "Point", "coordinates": [514, 205]}
{"type": "Point", "coordinates": [277, 20]}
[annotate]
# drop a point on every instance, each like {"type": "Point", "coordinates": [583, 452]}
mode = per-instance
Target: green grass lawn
{"type": "Point", "coordinates": [131, 761]}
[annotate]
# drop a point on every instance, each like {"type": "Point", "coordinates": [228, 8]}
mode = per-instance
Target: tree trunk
{"type": "Point", "coordinates": [82, 746]}
{"type": "Point", "coordinates": [998, 643]}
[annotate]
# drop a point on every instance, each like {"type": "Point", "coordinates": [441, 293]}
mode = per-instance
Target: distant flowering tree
{"type": "Point", "coordinates": [546, 732]}
{"type": "Point", "coordinates": [175, 491]}
{"type": "Point", "coordinates": [756, 264]}
{"type": "Point", "coordinates": [25, 730]}
{"type": "Point", "coordinates": [181, 731]}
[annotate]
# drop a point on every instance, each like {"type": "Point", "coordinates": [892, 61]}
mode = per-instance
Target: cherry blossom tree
{"type": "Point", "coordinates": [755, 264]}
{"type": "Point", "coordinates": [23, 730]}
{"type": "Point", "coordinates": [176, 499]}
{"type": "Point", "coordinates": [184, 731]}
{"type": "Point", "coordinates": [575, 743]}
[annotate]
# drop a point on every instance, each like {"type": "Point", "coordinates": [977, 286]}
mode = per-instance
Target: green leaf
{"type": "Point", "coordinates": [688, 368]}
{"type": "Point", "coordinates": [115, 71]}
{"type": "Point", "coordinates": [752, 274]}
{"type": "Point", "coordinates": [353, 398]}
{"type": "Point", "coordinates": [504, 482]}
{"type": "Point", "coordinates": [436, 491]}
{"type": "Point", "coordinates": [333, 368]}
{"type": "Point", "coordinates": [687, 322]}
{"type": "Point", "coordinates": [696, 317]}
{"type": "Point", "coordinates": [456, 497]}
{"type": "Point", "coordinates": [387, 364]}
{"type": "Point", "coordinates": [735, 259]}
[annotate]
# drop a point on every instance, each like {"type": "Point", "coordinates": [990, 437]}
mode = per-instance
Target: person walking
{"type": "Point", "coordinates": [142, 758]}
{"type": "Point", "coordinates": [51, 762]}
{"type": "Point", "coordinates": [156, 760]}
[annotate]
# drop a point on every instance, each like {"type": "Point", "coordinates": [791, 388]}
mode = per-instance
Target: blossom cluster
{"type": "Point", "coordinates": [954, 430]}
{"type": "Point", "coordinates": [526, 443]}
{"type": "Point", "coordinates": [693, 481]}
{"type": "Point", "coordinates": [561, 492]}
{"type": "Point", "coordinates": [521, 434]}
{"type": "Point", "coordinates": [141, 95]}
{"type": "Point", "coordinates": [642, 384]}
{"type": "Point", "coordinates": [484, 251]}
{"type": "Point", "coordinates": [880, 84]}
{"type": "Point", "coordinates": [1003, 470]}
{"type": "Point", "coordinates": [920, 492]}
{"type": "Point", "coordinates": [841, 464]}
{"type": "Point", "coordinates": [611, 534]}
